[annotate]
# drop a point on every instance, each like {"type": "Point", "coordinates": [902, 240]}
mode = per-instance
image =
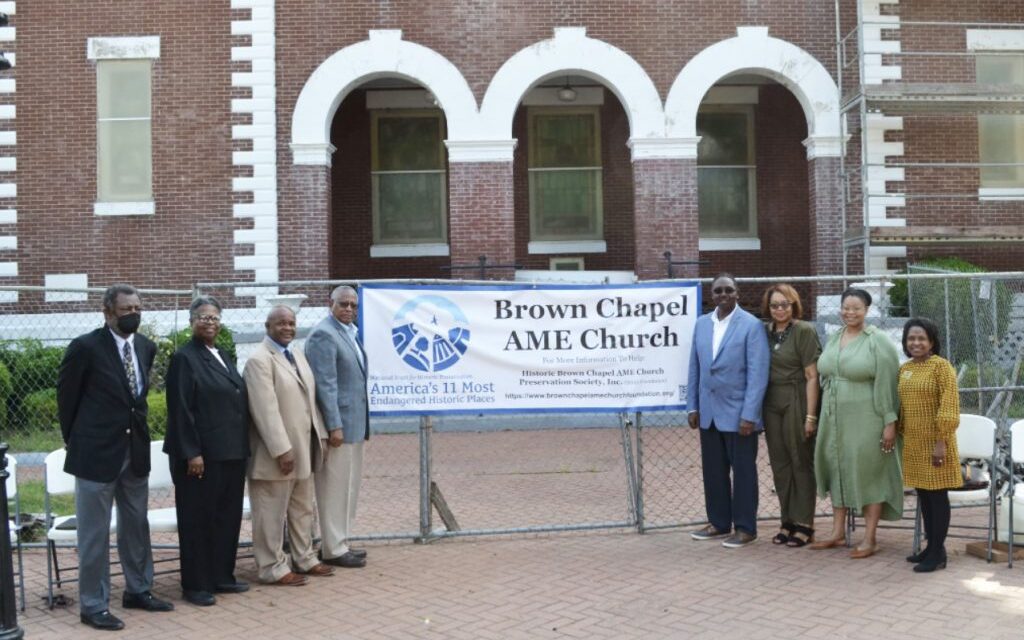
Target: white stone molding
{"type": "Point", "coordinates": [880, 179]}
{"type": "Point", "coordinates": [118, 48]}
{"type": "Point", "coordinates": [146, 208]}
{"type": "Point", "coordinates": [752, 50]}
{"type": "Point", "coordinates": [729, 244]}
{"type": "Point", "coordinates": [9, 162]}
{"type": "Point", "coordinates": [663, 148]}
{"type": "Point", "coordinates": [439, 249]}
{"type": "Point", "coordinates": [480, 150]}
{"type": "Point", "coordinates": [383, 55]}
{"type": "Point", "coordinates": [995, 39]}
{"type": "Point", "coordinates": [824, 146]}
{"type": "Point", "coordinates": [66, 281]}
{"type": "Point", "coordinates": [262, 134]}
{"type": "Point", "coordinates": [566, 246]}
{"type": "Point", "coordinates": [571, 52]}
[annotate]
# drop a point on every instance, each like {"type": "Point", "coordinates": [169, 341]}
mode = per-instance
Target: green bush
{"type": "Point", "coordinates": [157, 414]}
{"type": "Point", "coordinates": [32, 367]}
{"type": "Point", "coordinates": [165, 348]}
{"type": "Point", "coordinates": [6, 391]}
{"type": "Point", "coordinates": [40, 411]}
{"type": "Point", "coordinates": [965, 307]}
{"type": "Point", "coordinates": [41, 430]}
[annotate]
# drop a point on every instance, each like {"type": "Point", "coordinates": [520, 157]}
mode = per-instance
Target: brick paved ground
{"type": "Point", "coordinates": [608, 585]}
{"type": "Point", "coordinates": [605, 584]}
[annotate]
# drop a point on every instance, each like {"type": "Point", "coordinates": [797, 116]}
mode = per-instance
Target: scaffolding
{"type": "Point", "coordinates": [889, 69]}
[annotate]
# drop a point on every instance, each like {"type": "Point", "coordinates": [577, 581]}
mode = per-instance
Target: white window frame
{"type": "Point", "coordinates": [123, 48]}
{"type": "Point", "coordinates": [981, 41]}
{"type": "Point", "coordinates": [381, 248]}
{"type": "Point", "coordinates": [749, 240]}
{"type": "Point", "coordinates": [594, 243]}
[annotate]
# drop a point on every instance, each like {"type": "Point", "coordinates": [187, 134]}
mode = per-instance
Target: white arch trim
{"type": "Point", "coordinates": [753, 51]}
{"type": "Point", "coordinates": [571, 51]}
{"type": "Point", "coordinates": [384, 54]}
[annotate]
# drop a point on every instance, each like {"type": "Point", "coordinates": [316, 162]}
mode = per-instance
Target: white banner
{"type": "Point", "coordinates": [527, 348]}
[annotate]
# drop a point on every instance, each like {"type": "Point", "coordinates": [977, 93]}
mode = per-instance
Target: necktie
{"type": "Point", "coordinates": [129, 368]}
{"type": "Point", "coordinates": [291, 359]}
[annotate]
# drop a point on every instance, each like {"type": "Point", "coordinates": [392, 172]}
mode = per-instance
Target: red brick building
{"type": "Point", "coordinates": [257, 141]}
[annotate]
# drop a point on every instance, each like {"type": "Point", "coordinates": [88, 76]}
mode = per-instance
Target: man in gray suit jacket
{"type": "Point", "coordinates": [728, 376]}
{"type": "Point", "coordinates": [338, 361]}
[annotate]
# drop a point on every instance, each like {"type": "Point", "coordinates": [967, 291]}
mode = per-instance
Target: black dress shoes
{"type": "Point", "coordinates": [103, 620]}
{"type": "Point", "coordinates": [348, 560]}
{"type": "Point", "coordinates": [232, 587]}
{"type": "Point", "coordinates": [146, 601]}
{"type": "Point", "coordinates": [359, 553]}
{"type": "Point", "coordinates": [199, 598]}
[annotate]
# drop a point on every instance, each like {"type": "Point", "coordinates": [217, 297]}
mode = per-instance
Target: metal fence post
{"type": "Point", "coordinates": [627, 455]}
{"type": "Point", "coordinates": [639, 474]}
{"type": "Point", "coordinates": [426, 512]}
{"type": "Point", "coordinates": [8, 602]}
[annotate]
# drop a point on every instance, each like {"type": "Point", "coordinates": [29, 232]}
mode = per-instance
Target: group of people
{"type": "Point", "coordinates": [293, 424]}
{"type": "Point", "coordinates": [847, 421]}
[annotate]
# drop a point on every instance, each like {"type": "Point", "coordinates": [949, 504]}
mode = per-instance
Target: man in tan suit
{"type": "Point", "coordinates": [287, 436]}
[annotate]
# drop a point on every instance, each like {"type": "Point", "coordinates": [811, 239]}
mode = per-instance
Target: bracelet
{"type": "Point", "coordinates": [812, 418]}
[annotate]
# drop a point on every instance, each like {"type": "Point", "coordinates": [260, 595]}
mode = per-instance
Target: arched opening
{"type": "Point", "coordinates": [752, 179]}
{"type": "Point", "coordinates": [573, 180]}
{"type": "Point", "coordinates": [389, 175]}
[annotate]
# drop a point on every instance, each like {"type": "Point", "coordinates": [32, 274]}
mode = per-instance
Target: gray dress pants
{"type": "Point", "coordinates": [93, 501]}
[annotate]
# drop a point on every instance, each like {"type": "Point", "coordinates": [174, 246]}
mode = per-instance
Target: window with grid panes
{"type": "Point", "coordinates": [1001, 136]}
{"type": "Point", "coordinates": [726, 173]}
{"type": "Point", "coordinates": [565, 174]}
{"type": "Point", "coordinates": [124, 138]}
{"type": "Point", "coordinates": [409, 179]}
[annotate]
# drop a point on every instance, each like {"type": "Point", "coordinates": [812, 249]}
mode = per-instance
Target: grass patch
{"type": "Point", "coordinates": [38, 440]}
{"type": "Point", "coordinates": [30, 495]}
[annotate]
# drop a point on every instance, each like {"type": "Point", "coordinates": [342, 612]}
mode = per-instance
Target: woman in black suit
{"type": "Point", "coordinates": [207, 442]}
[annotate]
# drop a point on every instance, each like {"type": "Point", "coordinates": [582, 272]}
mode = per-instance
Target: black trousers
{"type": "Point", "coordinates": [730, 501]}
{"type": "Point", "coordinates": [935, 516]}
{"type": "Point", "coordinates": [209, 519]}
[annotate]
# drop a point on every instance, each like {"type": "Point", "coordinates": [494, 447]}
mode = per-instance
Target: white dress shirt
{"type": "Point", "coordinates": [719, 327]}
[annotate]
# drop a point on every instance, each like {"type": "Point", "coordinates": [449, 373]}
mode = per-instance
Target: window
{"type": "Point", "coordinates": [124, 140]}
{"type": "Point", "coordinates": [566, 264]}
{"type": "Point", "coordinates": [410, 200]}
{"type": "Point", "coordinates": [565, 174]}
{"type": "Point", "coordinates": [1001, 137]}
{"type": "Point", "coordinates": [726, 173]}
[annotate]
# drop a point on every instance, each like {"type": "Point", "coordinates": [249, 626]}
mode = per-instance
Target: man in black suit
{"type": "Point", "coordinates": [101, 402]}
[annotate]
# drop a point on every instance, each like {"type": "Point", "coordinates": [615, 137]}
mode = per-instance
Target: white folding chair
{"type": "Point", "coordinates": [15, 524]}
{"type": "Point", "coordinates": [56, 483]}
{"type": "Point", "coordinates": [975, 440]}
{"type": "Point", "coordinates": [164, 520]}
{"type": "Point", "coordinates": [1016, 457]}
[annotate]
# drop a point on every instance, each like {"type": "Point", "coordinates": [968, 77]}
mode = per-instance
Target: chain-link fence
{"type": "Point", "coordinates": [507, 473]}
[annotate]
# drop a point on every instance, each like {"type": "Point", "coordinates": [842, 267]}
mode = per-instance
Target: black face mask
{"type": "Point", "coordinates": [129, 323]}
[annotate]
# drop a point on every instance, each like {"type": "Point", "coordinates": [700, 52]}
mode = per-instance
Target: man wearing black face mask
{"type": "Point", "coordinates": [101, 403]}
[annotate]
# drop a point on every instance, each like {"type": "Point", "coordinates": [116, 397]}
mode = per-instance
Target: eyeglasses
{"type": "Point", "coordinates": [208, 319]}
{"type": "Point", "coordinates": [347, 305]}
{"type": "Point", "coordinates": [780, 305]}
{"type": "Point", "coordinates": [723, 290]}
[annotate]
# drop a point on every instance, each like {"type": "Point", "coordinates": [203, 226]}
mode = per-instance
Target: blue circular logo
{"type": "Point", "coordinates": [430, 333]}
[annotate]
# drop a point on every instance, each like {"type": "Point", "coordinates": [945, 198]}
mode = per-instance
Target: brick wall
{"type": "Point", "coordinates": [190, 236]}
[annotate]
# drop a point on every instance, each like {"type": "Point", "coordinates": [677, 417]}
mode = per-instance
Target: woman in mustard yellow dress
{"type": "Point", "coordinates": [929, 416]}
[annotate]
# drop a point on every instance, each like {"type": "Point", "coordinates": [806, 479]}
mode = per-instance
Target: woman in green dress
{"type": "Point", "coordinates": [791, 412]}
{"type": "Point", "coordinates": [854, 459]}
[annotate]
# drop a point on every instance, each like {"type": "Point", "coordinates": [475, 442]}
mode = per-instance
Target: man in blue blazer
{"type": "Point", "coordinates": [729, 362]}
